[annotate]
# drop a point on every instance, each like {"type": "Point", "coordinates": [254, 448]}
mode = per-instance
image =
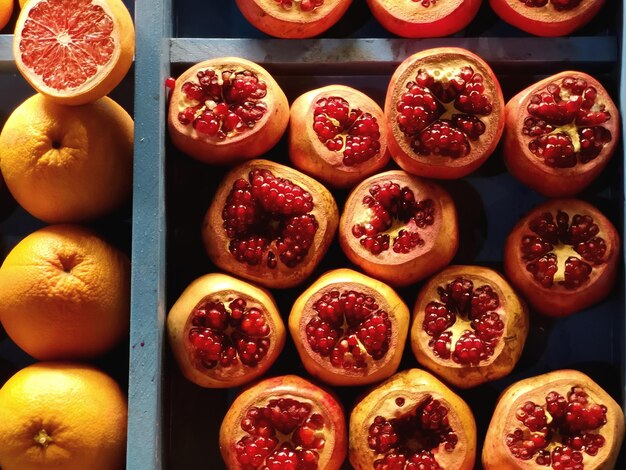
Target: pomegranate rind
{"type": "Point", "coordinates": [106, 78]}
{"type": "Point", "coordinates": [237, 147]}
{"type": "Point", "coordinates": [297, 388]}
{"type": "Point", "coordinates": [438, 166]}
{"type": "Point", "coordinates": [557, 301]}
{"type": "Point", "coordinates": [412, 20]}
{"type": "Point", "coordinates": [310, 155]}
{"type": "Point", "coordinates": [512, 312]}
{"type": "Point", "coordinates": [496, 455]}
{"type": "Point", "coordinates": [530, 169]}
{"type": "Point", "coordinates": [216, 241]}
{"type": "Point", "coordinates": [271, 18]}
{"type": "Point", "coordinates": [414, 385]}
{"type": "Point", "coordinates": [347, 279]}
{"type": "Point", "coordinates": [397, 269]}
{"type": "Point", "coordinates": [221, 287]}
{"type": "Point", "coordinates": [546, 21]}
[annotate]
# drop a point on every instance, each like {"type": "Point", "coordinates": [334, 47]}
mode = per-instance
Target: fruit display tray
{"type": "Point", "coordinates": [174, 424]}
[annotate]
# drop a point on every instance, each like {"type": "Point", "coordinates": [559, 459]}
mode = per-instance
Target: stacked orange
{"type": "Point", "coordinates": [66, 157]}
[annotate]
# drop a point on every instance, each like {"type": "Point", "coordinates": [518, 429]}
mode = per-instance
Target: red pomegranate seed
{"type": "Point", "coordinates": [224, 336]}
{"type": "Point", "coordinates": [424, 428]}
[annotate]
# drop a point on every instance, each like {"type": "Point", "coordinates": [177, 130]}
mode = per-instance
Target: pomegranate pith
{"type": "Point", "coordinates": [469, 326]}
{"type": "Point", "coordinates": [412, 421]}
{"type": "Point", "coordinates": [387, 205]}
{"type": "Point", "coordinates": [561, 420]}
{"type": "Point", "coordinates": [224, 332]}
{"type": "Point", "coordinates": [565, 121]}
{"type": "Point", "coordinates": [349, 329]}
{"type": "Point", "coordinates": [445, 113]}
{"type": "Point", "coordinates": [337, 134]}
{"type": "Point", "coordinates": [269, 223]}
{"type": "Point", "coordinates": [351, 131]}
{"type": "Point", "coordinates": [284, 423]}
{"type": "Point", "coordinates": [226, 110]}
{"type": "Point", "coordinates": [561, 133]}
{"type": "Point", "coordinates": [439, 115]}
{"type": "Point", "coordinates": [562, 256]}
{"type": "Point", "coordinates": [398, 227]}
{"type": "Point", "coordinates": [547, 17]}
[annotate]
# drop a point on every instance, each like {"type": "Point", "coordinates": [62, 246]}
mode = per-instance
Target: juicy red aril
{"type": "Point", "coordinates": [567, 421]}
{"type": "Point", "coordinates": [388, 202]}
{"type": "Point", "coordinates": [407, 441]}
{"type": "Point", "coordinates": [268, 220]}
{"type": "Point", "coordinates": [427, 99]}
{"type": "Point", "coordinates": [304, 5]}
{"type": "Point", "coordinates": [460, 301]}
{"type": "Point", "coordinates": [226, 102]}
{"type": "Point", "coordinates": [225, 334]}
{"type": "Point", "coordinates": [559, 5]}
{"type": "Point", "coordinates": [283, 434]}
{"type": "Point", "coordinates": [565, 122]}
{"type": "Point", "coordinates": [350, 329]}
{"type": "Point", "coordinates": [550, 234]}
{"type": "Point", "coordinates": [342, 129]}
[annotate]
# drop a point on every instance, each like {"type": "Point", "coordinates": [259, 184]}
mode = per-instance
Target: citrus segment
{"type": "Point", "coordinates": [62, 416]}
{"type": "Point", "coordinates": [64, 294]}
{"type": "Point", "coordinates": [75, 51]}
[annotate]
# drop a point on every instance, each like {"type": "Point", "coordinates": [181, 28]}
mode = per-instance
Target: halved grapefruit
{"type": "Point", "coordinates": [74, 51]}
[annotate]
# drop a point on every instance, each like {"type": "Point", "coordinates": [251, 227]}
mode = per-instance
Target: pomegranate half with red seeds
{"type": "Point", "coordinates": [293, 19]}
{"type": "Point", "coordinates": [424, 18]}
{"type": "Point", "coordinates": [226, 110]}
{"type": "Point", "coordinates": [337, 134]}
{"type": "Point", "coordinates": [349, 329]}
{"type": "Point", "coordinates": [224, 332]}
{"type": "Point", "coordinates": [412, 421]}
{"type": "Point", "coordinates": [562, 256]}
{"type": "Point", "coordinates": [560, 133]}
{"type": "Point", "coordinates": [469, 326]}
{"type": "Point", "coordinates": [547, 17]}
{"type": "Point", "coordinates": [269, 223]}
{"type": "Point", "coordinates": [445, 113]}
{"type": "Point", "coordinates": [284, 423]}
{"type": "Point", "coordinates": [562, 420]}
{"type": "Point", "coordinates": [399, 228]}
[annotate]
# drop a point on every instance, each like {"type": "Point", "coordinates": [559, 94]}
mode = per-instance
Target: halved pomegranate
{"type": "Point", "coordinates": [293, 19]}
{"type": "Point", "coordinates": [349, 329]}
{"type": "Point", "coordinates": [412, 421]}
{"type": "Point", "coordinates": [224, 332]}
{"type": "Point", "coordinates": [269, 223]}
{"type": "Point", "coordinates": [560, 133]}
{"type": "Point", "coordinates": [562, 256]}
{"type": "Point", "coordinates": [445, 113]}
{"type": "Point", "coordinates": [337, 134]}
{"type": "Point", "coordinates": [560, 420]}
{"type": "Point", "coordinates": [547, 17]}
{"type": "Point", "coordinates": [424, 18]}
{"type": "Point", "coordinates": [399, 228]}
{"type": "Point", "coordinates": [226, 110]}
{"type": "Point", "coordinates": [284, 423]}
{"type": "Point", "coordinates": [469, 326]}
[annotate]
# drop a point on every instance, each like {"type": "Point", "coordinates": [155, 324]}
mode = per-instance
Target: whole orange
{"type": "Point", "coordinates": [62, 416]}
{"type": "Point", "coordinates": [64, 294]}
{"type": "Point", "coordinates": [74, 52]}
{"type": "Point", "coordinates": [6, 10]}
{"type": "Point", "coordinates": [68, 163]}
